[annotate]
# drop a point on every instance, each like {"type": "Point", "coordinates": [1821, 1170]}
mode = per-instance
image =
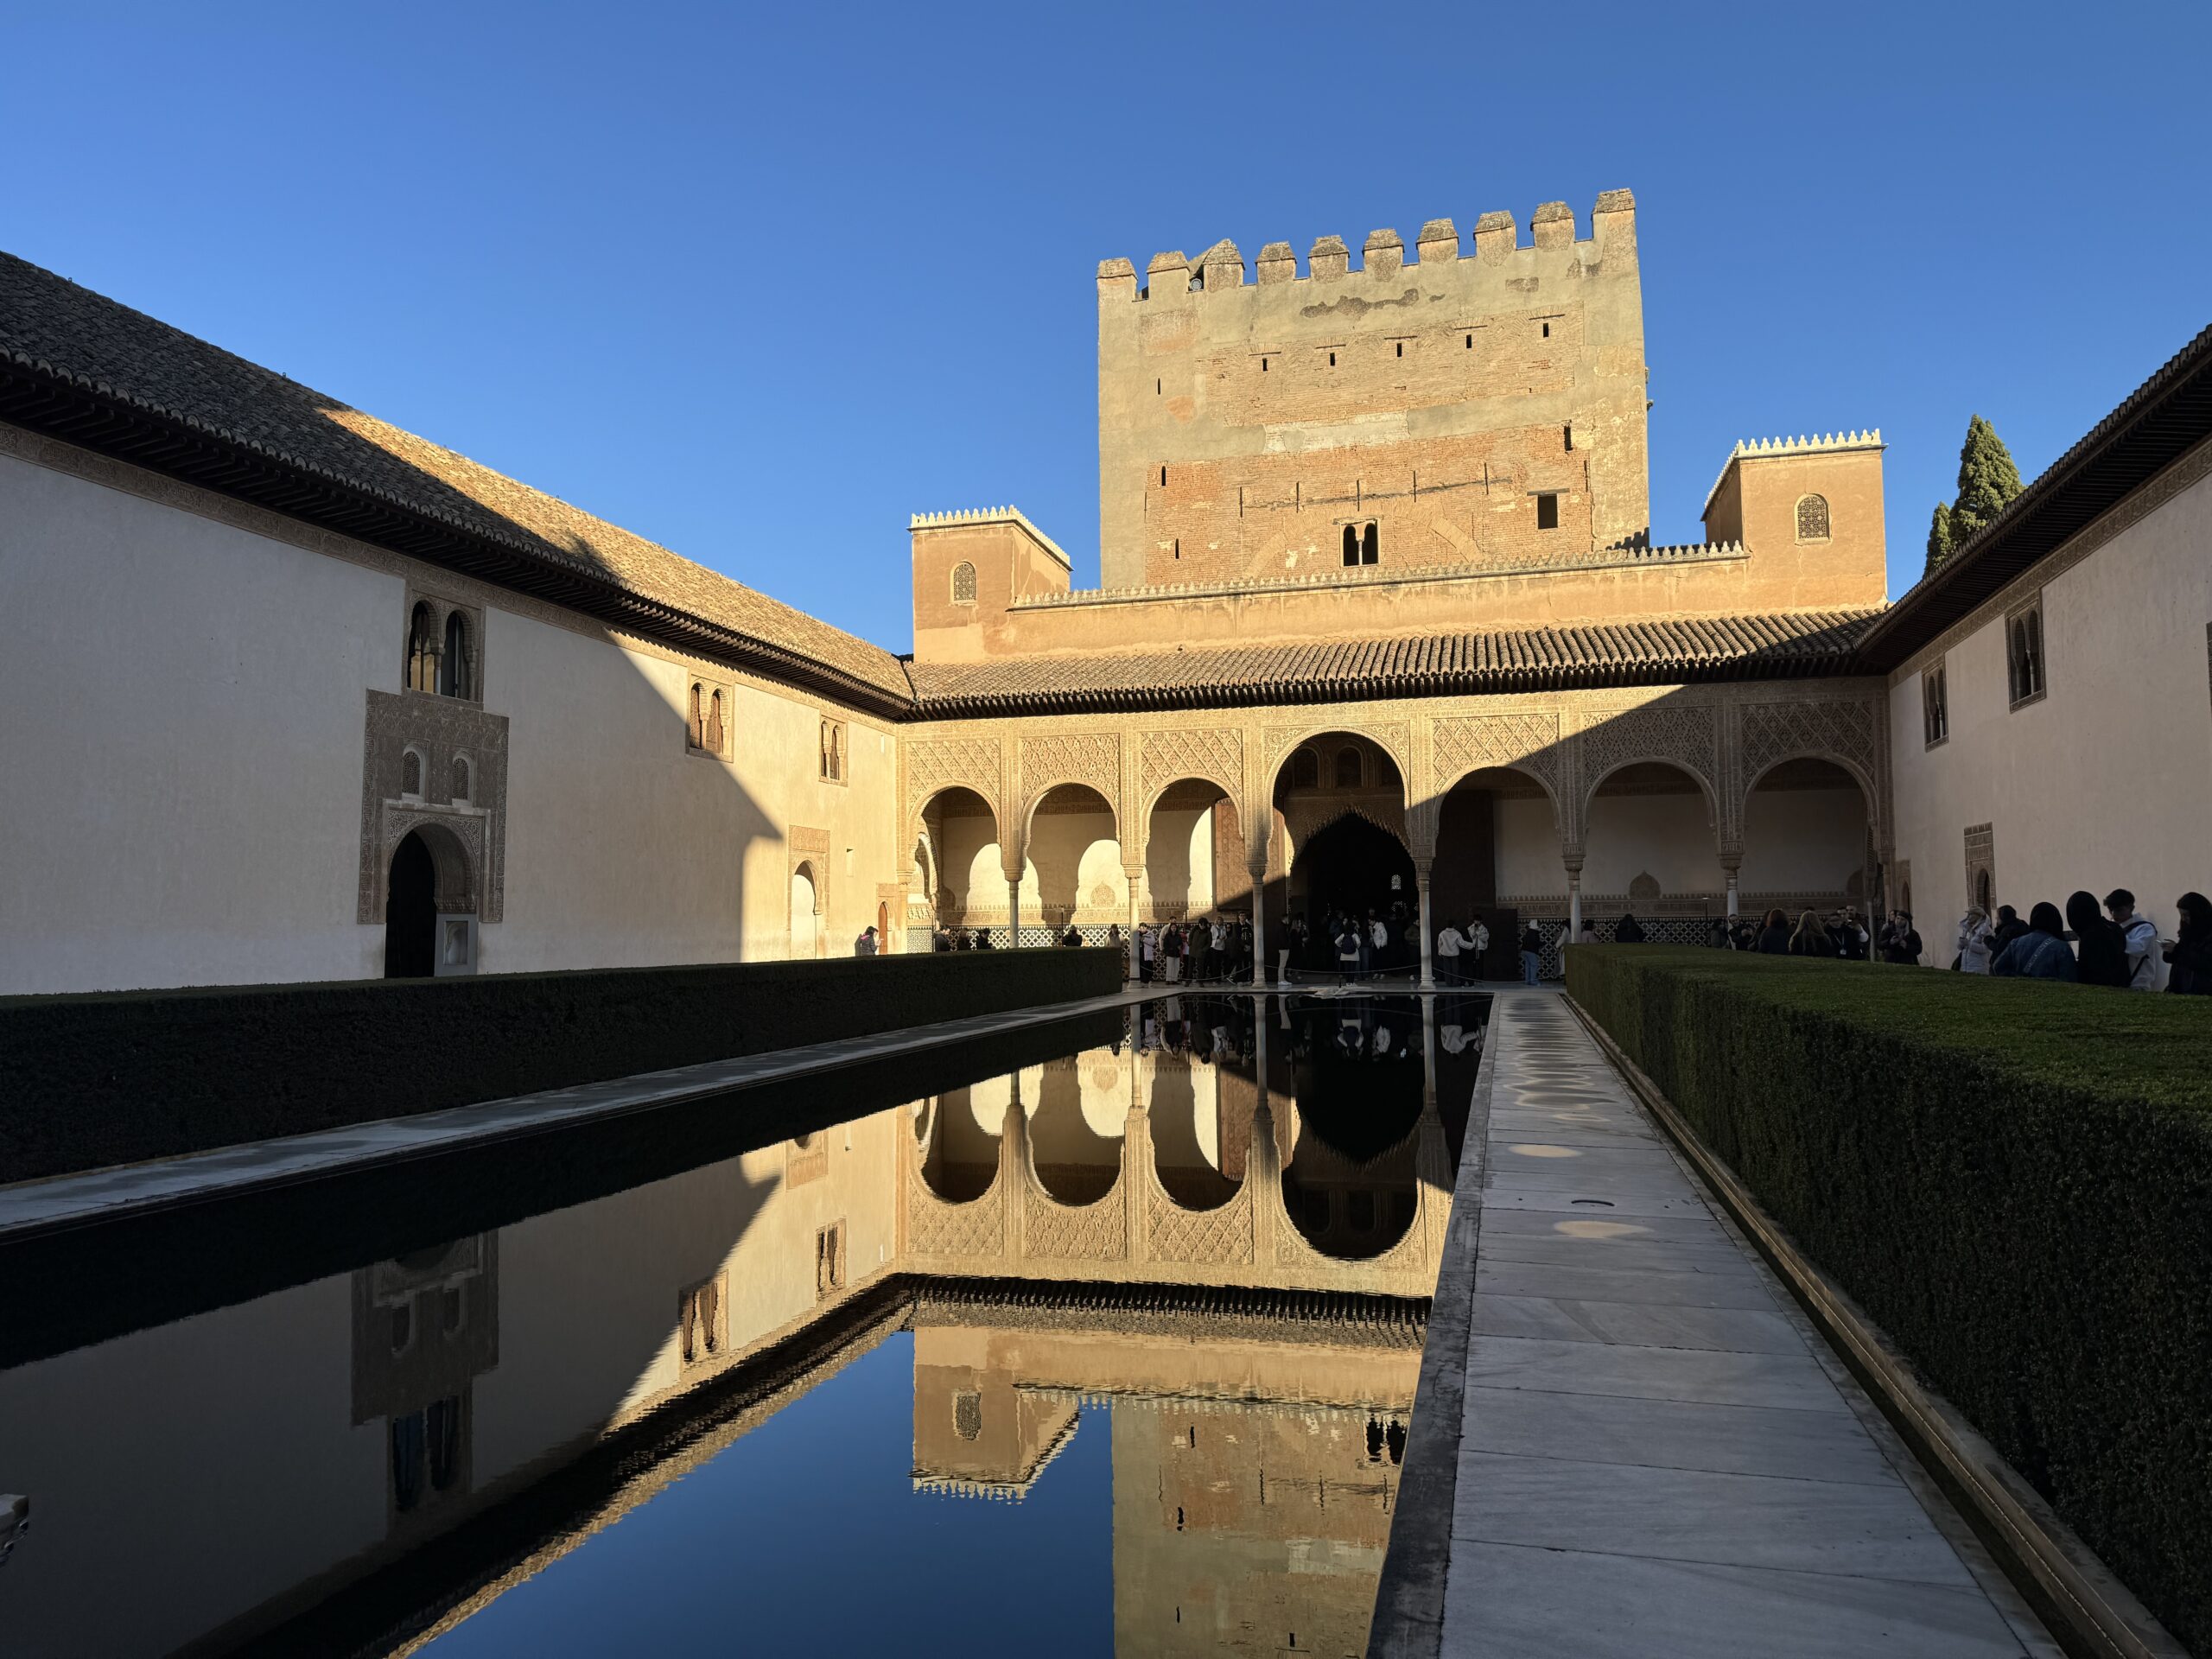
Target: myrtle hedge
{"type": "Point", "coordinates": [2012, 1177]}
{"type": "Point", "coordinates": [114, 1077]}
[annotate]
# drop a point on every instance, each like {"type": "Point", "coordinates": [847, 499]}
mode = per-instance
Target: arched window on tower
{"type": "Point", "coordinates": [1352, 545]}
{"type": "Point", "coordinates": [964, 583]}
{"type": "Point", "coordinates": [410, 773]}
{"type": "Point", "coordinates": [695, 730]}
{"type": "Point", "coordinates": [714, 745]}
{"type": "Point", "coordinates": [1305, 770]}
{"type": "Point", "coordinates": [460, 779]}
{"type": "Point", "coordinates": [453, 671]}
{"type": "Point", "coordinates": [1813, 519]}
{"type": "Point", "coordinates": [421, 649]}
{"type": "Point", "coordinates": [1370, 545]}
{"type": "Point", "coordinates": [1347, 768]}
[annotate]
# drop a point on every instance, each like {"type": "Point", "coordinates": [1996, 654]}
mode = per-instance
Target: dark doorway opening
{"type": "Point", "coordinates": [411, 912]}
{"type": "Point", "coordinates": [1353, 866]}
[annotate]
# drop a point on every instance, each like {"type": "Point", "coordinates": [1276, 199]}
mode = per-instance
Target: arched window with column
{"type": "Point", "coordinates": [454, 677]}
{"type": "Point", "coordinates": [714, 744]}
{"type": "Point", "coordinates": [1348, 768]}
{"type": "Point", "coordinates": [421, 649]}
{"type": "Point", "coordinates": [1352, 545]}
{"type": "Point", "coordinates": [695, 722]}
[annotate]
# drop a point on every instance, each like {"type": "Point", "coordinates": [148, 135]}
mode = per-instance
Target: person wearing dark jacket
{"type": "Point", "coordinates": [2039, 953]}
{"type": "Point", "coordinates": [1628, 929]}
{"type": "Point", "coordinates": [2009, 925]}
{"type": "Point", "coordinates": [2101, 954]}
{"type": "Point", "coordinates": [1774, 938]}
{"type": "Point", "coordinates": [2188, 959]}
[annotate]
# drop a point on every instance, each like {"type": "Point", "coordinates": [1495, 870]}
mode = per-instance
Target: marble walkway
{"type": "Point", "coordinates": [1658, 1455]}
{"type": "Point", "coordinates": [28, 1209]}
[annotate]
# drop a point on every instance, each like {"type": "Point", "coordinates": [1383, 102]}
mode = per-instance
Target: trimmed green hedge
{"type": "Point", "coordinates": [119, 1076]}
{"type": "Point", "coordinates": [2012, 1177]}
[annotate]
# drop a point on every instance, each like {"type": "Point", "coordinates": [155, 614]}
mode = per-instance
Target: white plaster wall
{"type": "Point", "coordinates": [1528, 848]}
{"type": "Point", "coordinates": [181, 745]}
{"type": "Point", "coordinates": [1670, 837]}
{"type": "Point", "coordinates": [1802, 840]}
{"type": "Point", "coordinates": [184, 768]}
{"type": "Point", "coordinates": [2108, 780]}
{"type": "Point", "coordinates": [1179, 859]}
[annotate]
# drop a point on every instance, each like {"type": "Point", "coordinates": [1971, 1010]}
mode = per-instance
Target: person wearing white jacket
{"type": "Point", "coordinates": [2142, 935]}
{"type": "Point", "coordinates": [1976, 942]}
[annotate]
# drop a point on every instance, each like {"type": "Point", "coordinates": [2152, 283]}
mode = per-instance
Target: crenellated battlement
{"type": "Point", "coordinates": [969, 517]}
{"type": "Point", "coordinates": [1496, 237]}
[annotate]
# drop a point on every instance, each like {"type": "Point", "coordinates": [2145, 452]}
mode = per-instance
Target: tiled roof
{"type": "Point", "coordinates": [1753, 647]}
{"type": "Point", "coordinates": [74, 362]}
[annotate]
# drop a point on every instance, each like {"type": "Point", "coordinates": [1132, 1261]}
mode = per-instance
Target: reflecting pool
{"type": "Point", "coordinates": [1100, 1340]}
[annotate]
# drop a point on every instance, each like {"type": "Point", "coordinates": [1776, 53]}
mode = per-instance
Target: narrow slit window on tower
{"type": "Point", "coordinates": [1163, 476]}
{"type": "Point", "coordinates": [1158, 388]}
{"type": "Point", "coordinates": [1548, 511]}
{"type": "Point", "coordinates": [1470, 342]}
{"type": "Point", "coordinates": [1332, 360]}
{"type": "Point", "coordinates": [1548, 331]}
{"type": "Point", "coordinates": [1263, 365]}
{"type": "Point", "coordinates": [1401, 348]}
{"type": "Point", "coordinates": [1567, 435]}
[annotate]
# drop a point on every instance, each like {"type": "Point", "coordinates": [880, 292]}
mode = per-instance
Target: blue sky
{"type": "Point", "coordinates": [759, 283]}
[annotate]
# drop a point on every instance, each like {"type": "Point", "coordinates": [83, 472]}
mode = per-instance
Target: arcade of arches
{"type": "Point", "coordinates": [1691, 804]}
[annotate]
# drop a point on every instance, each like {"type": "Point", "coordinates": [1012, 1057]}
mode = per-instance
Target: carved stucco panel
{"type": "Point", "coordinates": [1215, 755]}
{"type": "Point", "coordinates": [1680, 734]}
{"type": "Point", "coordinates": [1092, 759]}
{"type": "Point", "coordinates": [440, 730]}
{"type": "Point", "coordinates": [938, 763]}
{"type": "Point", "coordinates": [1832, 729]}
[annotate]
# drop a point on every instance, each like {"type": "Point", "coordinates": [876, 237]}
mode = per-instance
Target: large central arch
{"type": "Point", "coordinates": [1339, 844]}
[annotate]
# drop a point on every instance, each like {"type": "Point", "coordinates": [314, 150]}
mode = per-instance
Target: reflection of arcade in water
{"type": "Point", "coordinates": [1273, 1143]}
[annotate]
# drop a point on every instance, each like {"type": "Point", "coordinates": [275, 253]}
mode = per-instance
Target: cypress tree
{"type": "Point", "coordinates": [1987, 480]}
{"type": "Point", "coordinates": [1939, 536]}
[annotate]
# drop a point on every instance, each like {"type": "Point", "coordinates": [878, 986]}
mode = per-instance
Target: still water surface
{"type": "Point", "coordinates": [1108, 1346]}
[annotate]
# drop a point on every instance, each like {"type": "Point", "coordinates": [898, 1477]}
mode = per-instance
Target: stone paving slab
{"type": "Point", "coordinates": [29, 1208]}
{"type": "Point", "coordinates": [1643, 1283]}
{"type": "Point", "coordinates": [1516, 1602]}
{"type": "Point", "coordinates": [1654, 1459]}
{"type": "Point", "coordinates": [1674, 1435]}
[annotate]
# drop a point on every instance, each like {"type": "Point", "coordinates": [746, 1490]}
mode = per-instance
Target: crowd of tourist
{"type": "Point", "coordinates": [2109, 943]}
{"type": "Point", "coordinates": [2113, 944]}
